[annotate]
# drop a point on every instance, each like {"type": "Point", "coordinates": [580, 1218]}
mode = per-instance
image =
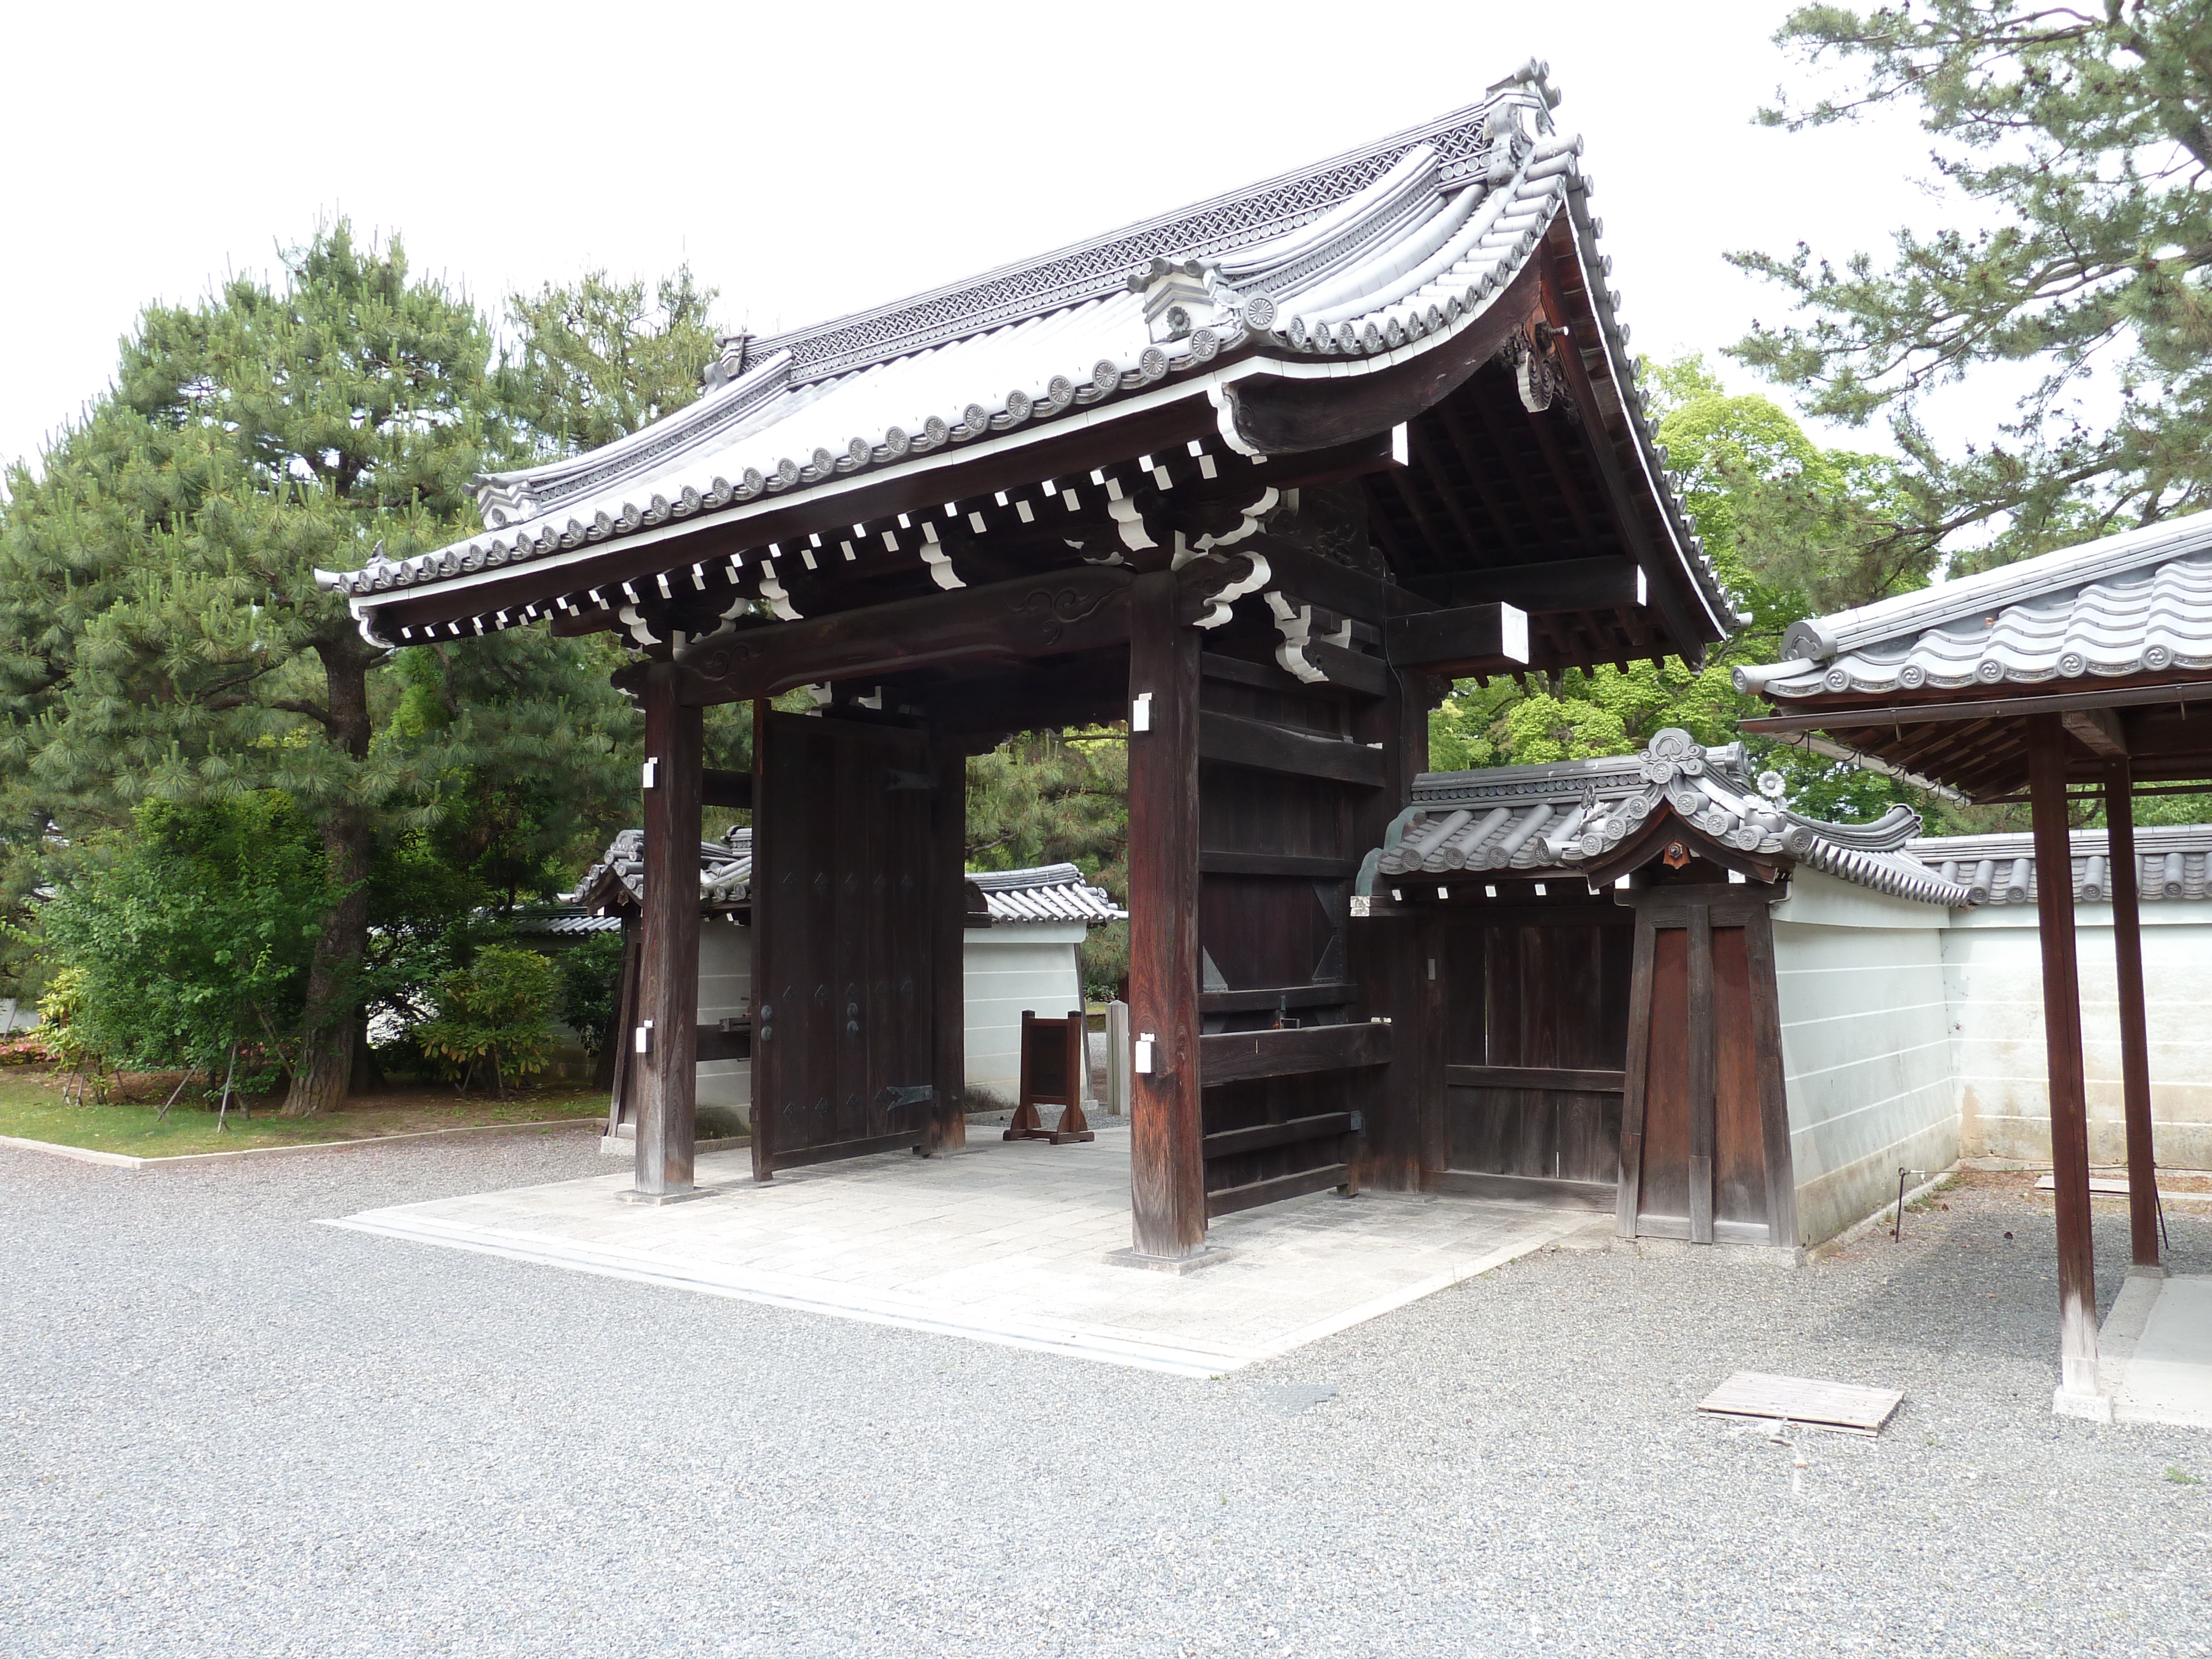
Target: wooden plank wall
{"type": "Point", "coordinates": [1536, 1020]}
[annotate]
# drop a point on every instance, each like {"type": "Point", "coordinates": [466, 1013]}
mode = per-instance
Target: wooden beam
{"type": "Point", "coordinates": [2062, 1032]}
{"type": "Point", "coordinates": [1607, 584]}
{"type": "Point", "coordinates": [1233, 1056]}
{"type": "Point", "coordinates": [1572, 1080]}
{"type": "Point", "coordinates": [1221, 862]}
{"type": "Point", "coordinates": [2097, 730]}
{"type": "Point", "coordinates": [1227, 1200]}
{"type": "Point", "coordinates": [2135, 1035]}
{"type": "Point", "coordinates": [668, 1000]}
{"type": "Point", "coordinates": [1328, 993]}
{"type": "Point", "coordinates": [1167, 1162]}
{"type": "Point", "coordinates": [1237, 741]}
{"type": "Point", "coordinates": [1045, 615]}
{"type": "Point", "coordinates": [1476, 639]}
{"type": "Point", "coordinates": [1333, 586]}
{"type": "Point", "coordinates": [733, 790]}
{"type": "Point", "coordinates": [1978, 709]}
{"type": "Point", "coordinates": [1264, 1135]}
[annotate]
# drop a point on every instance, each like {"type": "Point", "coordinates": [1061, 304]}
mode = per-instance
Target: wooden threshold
{"type": "Point", "coordinates": [1229, 1200]}
{"type": "Point", "coordinates": [800, 1157]}
{"type": "Point", "coordinates": [1598, 1195]}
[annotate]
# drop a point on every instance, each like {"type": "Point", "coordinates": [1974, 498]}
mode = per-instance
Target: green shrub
{"type": "Point", "coordinates": [496, 1011]}
{"type": "Point", "coordinates": [591, 985]}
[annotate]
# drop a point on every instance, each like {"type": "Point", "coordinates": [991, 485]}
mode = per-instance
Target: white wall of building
{"type": "Point", "coordinates": [1866, 1048]}
{"type": "Point", "coordinates": [726, 991]}
{"type": "Point", "coordinates": [1009, 968]}
{"type": "Point", "coordinates": [1993, 976]}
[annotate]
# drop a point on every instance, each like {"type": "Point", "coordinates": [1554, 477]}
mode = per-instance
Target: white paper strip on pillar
{"type": "Point", "coordinates": [1140, 713]}
{"type": "Point", "coordinates": [650, 776]}
{"type": "Point", "coordinates": [1141, 1058]}
{"type": "Point", "coordinates": [644, 1037]}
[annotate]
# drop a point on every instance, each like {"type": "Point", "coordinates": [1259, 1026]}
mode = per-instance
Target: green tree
{"type": "Point", "coordinates": [1060, 797]}
{"type": "Point", "coordinates": [596, 360]}
{"type": "Point", "coordinates": [2081, 133]}
{"type": "Point", "coordinates": [496, 1013]}
{"type": "Point", "coordinates": [193, 932]}
{"type": "Point", "coordinates": [161, 635]}
{"type": "Point", "coordinates": [1793, 530]}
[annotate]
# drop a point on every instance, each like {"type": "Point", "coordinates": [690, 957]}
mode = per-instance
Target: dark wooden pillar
{"type": "Point", "coordinates": [667, 1070]}
{"type": "Point", "coordinates": [2120, 881]}
{"type": "Point", "coordinates": [2061, 1036]}
{"type": "Point", "coordinates": [1167, 1163]}
{"type": "Point", "coordinates": [948, 1127]}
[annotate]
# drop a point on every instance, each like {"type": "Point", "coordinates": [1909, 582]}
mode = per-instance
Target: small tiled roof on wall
{"type": "Point", "coordinates": [2134, 604]}
{"type": "Point", "coordinates": [1050, 892]}
{"type": "Point", "coordinates": [1553, 821]}
{"type": "Point", "coordinates": [2172, 861]}
{"type": "Point", "coordinates": [1046, 893]}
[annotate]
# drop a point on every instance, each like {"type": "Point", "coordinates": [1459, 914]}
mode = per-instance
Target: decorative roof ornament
{"type": "Point", "coordinates": [1549, 821]}
{"type": "Point", "coordinates": [1184, 295]}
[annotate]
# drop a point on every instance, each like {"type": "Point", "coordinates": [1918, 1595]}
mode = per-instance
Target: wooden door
{"type": "Point", "coordinates": [1705, 1151]}
{"type": "Point", "coordinates": [842, 844]}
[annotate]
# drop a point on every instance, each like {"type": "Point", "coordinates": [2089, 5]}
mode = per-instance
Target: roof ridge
{"type": "Point", "coordinates": [1099, 264]}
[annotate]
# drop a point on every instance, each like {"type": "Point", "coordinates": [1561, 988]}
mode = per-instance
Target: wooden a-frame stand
{"type": "Point", "coordinates": [1053, 1066]}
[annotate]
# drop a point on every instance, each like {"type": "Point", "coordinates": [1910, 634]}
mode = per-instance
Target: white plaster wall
{"type": "Point", "coordinates": [1993, 974]}
{"type": "Point", "coordinates": [1008, 969]}
{"type": "Point", "coordinates": [1031, 965]}
{"type": "Point", "coordinates": [1866, 1051]}
{"type": "Point", "coordinates": [725, 990]}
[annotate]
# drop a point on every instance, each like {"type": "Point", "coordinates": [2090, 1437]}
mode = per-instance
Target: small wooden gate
{"type": "Point", "coordinates": [843, 901]}
{"type": "Point", "coordinates": [1704, 1140]}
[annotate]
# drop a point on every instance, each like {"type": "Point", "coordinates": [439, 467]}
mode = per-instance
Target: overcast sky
{"type": "Point", "coordinates": [809, 160]}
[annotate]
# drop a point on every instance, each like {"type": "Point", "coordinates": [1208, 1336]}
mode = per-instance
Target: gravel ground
{"type": "Point", "coordinates": [229, 1432]}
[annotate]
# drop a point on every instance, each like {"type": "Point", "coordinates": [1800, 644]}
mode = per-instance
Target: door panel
{"type": "Point", "coordinates": [1739, 1142]}
{"type": "Point", "coordinates": [1664, 1190]}
{"type": "Point", "coordinates": [842, 841]}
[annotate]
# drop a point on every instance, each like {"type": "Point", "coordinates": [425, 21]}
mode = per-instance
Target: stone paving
{"type": "Point", "coordinates": [1004, 1241]}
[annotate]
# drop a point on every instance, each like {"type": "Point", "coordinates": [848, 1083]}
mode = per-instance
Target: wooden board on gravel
{"type": "Point", "coordinates": [1844, 1406]}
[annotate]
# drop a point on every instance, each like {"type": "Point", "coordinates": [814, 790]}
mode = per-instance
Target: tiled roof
{"type": "Point", "coordinates": [2171, 860]}
{"type": "Point", "coordinates": [1540, 821]}
{"type": "Point", "coordinates": [726, 871]}
{"type": "Point", "coordinates": [1050, 892]}
{"type": "Point", "coordinates": [567, 923]}
{"type": "Point", "coordinates": [2134, 604]}
{"type": "Point", "coordinates": [1345, 267]}
{"type": "Point", "coordinates": [1047, 893]}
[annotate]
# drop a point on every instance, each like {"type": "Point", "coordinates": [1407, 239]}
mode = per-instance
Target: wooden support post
{"type": "Point", "coordinates": [2121, 883]}
{"type": "Point", "coordinates": [1167, 1162]}
{"type": "Point", "coordinates": [948, 986]}
{"type": "Point", "coordinates": [663, 1043]}
{"type": "Point", "coordinates": [2062, 1034]}
{"type": "Point", "coordinates": [1628, 1193]}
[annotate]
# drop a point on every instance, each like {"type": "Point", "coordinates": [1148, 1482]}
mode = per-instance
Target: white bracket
{"type": "Point", "coordinates": [1142, 1059]}
{"type": "Point", "coordinates": [643, 1037]}
{"type": "Point", "coordinates": [1140, 713]}
{"type": "Point", "coordinates": [650, 774]}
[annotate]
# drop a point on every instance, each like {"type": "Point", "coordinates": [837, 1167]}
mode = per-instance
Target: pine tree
{"type": "Point", "coordinates": [2083, 131]}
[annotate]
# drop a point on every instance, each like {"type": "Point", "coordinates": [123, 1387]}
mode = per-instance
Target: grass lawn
{"type": "Point", "coordinates": [31, 1107]}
